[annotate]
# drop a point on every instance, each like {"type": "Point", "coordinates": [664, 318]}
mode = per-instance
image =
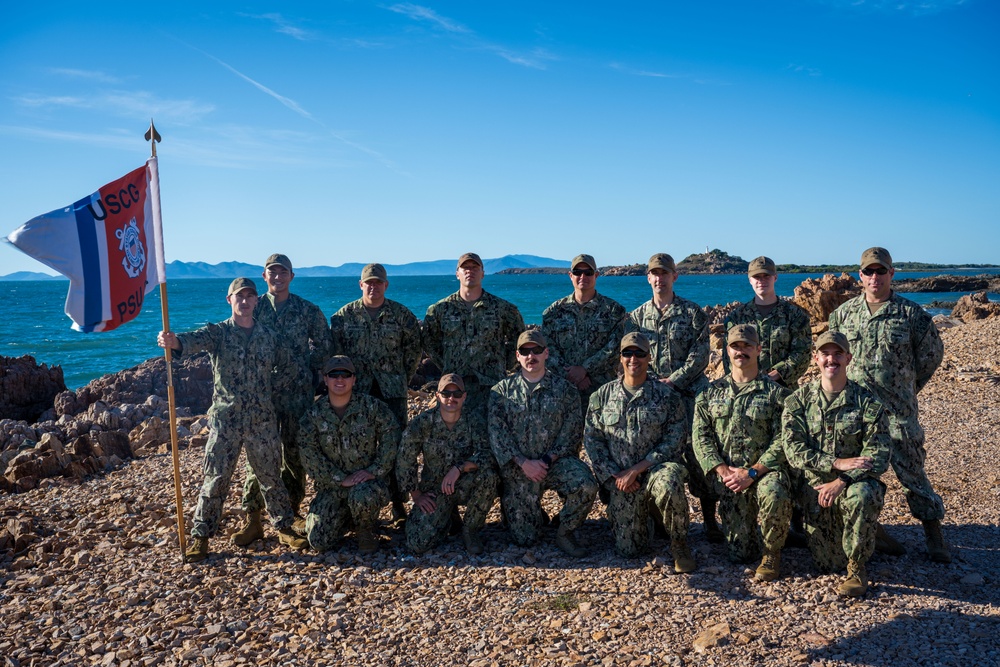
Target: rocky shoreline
{"type": "Point", "coordinates": [90, 571]}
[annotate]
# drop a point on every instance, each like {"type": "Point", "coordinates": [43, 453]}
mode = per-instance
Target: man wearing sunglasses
{"type": "Point", "coordinates": [348, 442]}
{"type": "Point", "coordinates": [635, 440]}
{"type": "Point", "coordinates": [383, 338]}
{"type": "Point", "coordinates": [245, 356]}
{"type": "Point", "coordinates": [302, 331]}
{"type": "Point", "coordinates": [896, 351]}
{"type": "Point", "coordinates": [678, 335]}
{"type": "Point", "coordinates": [536, 431]}
{"type": "Point", "coordinates": [458, 469]}
{"type": "Point", "coordinates": [737, 439]}
{"type": "Point", "coordinates": [583, 330]}
{"type": "Point", "coordinates": [473, 333]}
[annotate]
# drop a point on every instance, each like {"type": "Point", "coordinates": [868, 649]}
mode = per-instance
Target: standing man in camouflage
{"type": "Point", "coordinates": [836, 432]}
{"type": "Point", "coordinates": [383, 338]}
{"type": "Point", "coordinates": [458, 469]}
{"type": "Point", "coordinates": [473, 333]}
{"type": "Point", "coordinates": [305, 339]}
{"type": "Point", "coordinates": [783, 327]}
{"type": "Point", "coordinates": [678, 335]}
{"type": "Point", "coordinates": [349, 443]}
{"type": "Point", "coordinates": [634, 437]}
{"type": "Point", "coordinates": [896, 351]}
{"type": "Point", "coordinates": [737, 439]}
{"type": "Point", "coordinates": [536, 431]}
{"type": "Point", "coordinates": [583, 330]}
{"type": "Point", "coordinates": [244, 355]}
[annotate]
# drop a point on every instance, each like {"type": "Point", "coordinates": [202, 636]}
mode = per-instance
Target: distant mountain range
{"type": "Point", "coordinates": [440, 267]}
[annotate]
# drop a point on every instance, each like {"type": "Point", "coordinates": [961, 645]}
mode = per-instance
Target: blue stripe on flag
{"type": "Point", "coordinates": [93, 309]}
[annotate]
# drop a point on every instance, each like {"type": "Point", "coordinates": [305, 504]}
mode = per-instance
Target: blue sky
{"type": "Point", "coordinates": [400, 132]}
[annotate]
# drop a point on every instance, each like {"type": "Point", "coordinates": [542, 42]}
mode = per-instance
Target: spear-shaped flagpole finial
{"type": "Point", "coordinates": [153, 136]}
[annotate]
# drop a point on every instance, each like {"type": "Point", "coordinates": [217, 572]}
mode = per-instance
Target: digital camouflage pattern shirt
{"type": "Point", "coordinates": [442, 448]}
{"type": "Point", "coordinates": [785, 338]}
{"type": "Point", "coordinates": [534, 422]}
{"type": "Point", "coordinates": [585, 334]}
{"type": "Point", "coordinates": [302, 333]}
{"type": "Point", "coordinates": [385, 350]}
{"type": "Point", "coordinates": [678, 341]}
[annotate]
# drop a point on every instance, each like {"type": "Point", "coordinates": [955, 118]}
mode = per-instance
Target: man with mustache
{"type": "Point", "coordinates": [836, 431]}
{"type": "Point", "coordinates": [737, 439]}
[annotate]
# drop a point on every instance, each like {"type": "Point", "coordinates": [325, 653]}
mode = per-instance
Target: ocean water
{"type": "Point", "coordinates": [33, 321]}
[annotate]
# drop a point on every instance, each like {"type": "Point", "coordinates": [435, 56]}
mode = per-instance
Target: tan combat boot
{"type": "Point", "coordinates": [770, 566]}
{"type": "Point", "coordinates": [856, 583]}
{"type": "Point", "coordinates": [252, 530]}
{"type": "Point", "coordinates": [885, 544]}
{"type": "Point", "coordinates": [367, 542]}
{"type": "Point", "coordinates": [937, 550]}
{"type": "Point", "coordinates": [290, 538]}
{"type": "Point", "coordinates": [473, 543]}
{"type": "Point", "coordinates": [683, 560]}
{"type": "Point", "coordinates": [197, 551]}
{"type": "Point", "coordinates": [566, 540]}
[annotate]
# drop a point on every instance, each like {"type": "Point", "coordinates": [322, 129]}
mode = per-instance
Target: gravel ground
{"type": "Point", "coordinates": [96, 578]}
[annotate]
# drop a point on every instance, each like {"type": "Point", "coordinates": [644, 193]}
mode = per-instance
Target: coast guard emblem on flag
{"type": "Point", "coordinates": [134, 260]}
{"type": "Point", "coordinates": [89, 240]}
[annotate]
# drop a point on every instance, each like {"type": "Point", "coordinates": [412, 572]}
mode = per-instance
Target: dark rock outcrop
{"type": "Point", "coordinates": [27, 388]}
{"type": "Point", "coordinates": [713, 261]}
{"type": "Point", "coordinates": [948, 283]}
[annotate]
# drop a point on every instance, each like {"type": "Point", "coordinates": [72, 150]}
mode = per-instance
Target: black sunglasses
{"type": "Point", "coordinates": [880, 271]}
{"type": "Point", "coordinates": [583, 272]}
{"type": "Point", "coordinates": [452, 393]}
{"type": "Point", "coordinates": [340, 374]}
{"type": "Point", "coordinates": [525, 351]}
{"type": "Point", "coordinates": [638, 354]}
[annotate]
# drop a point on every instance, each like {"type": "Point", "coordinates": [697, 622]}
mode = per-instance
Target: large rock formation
{"type": "Point", "coordinates": [948, 283]}
{"type": "Point", "coordinates": [27, 388]}
{"type": "Point", "coordinates": [975, 307]}
{"type": "Point", "coordinates": [713, 261]}
{"type": "Point", "coordinates": [821, 296]}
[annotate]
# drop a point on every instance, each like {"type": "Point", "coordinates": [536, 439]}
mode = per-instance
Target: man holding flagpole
{"type": "Point", "coordinates": [244, 356]}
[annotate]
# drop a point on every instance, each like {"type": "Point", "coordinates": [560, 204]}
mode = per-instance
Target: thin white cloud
{"type": "Point", "coordinates": [805, 69]}
{"type": "Point", "coordinates": [536, 59]}
{"type": "Point", "coordinates": [916, 8]}
{"type": "Point", "coordinates": [642, 72]}
{"type": "Point", "coordinates": [284, 26]}
{"type": "Point", "coordinates": [90, 75]}
{"type": "Point", "coordinates": [129, 104]}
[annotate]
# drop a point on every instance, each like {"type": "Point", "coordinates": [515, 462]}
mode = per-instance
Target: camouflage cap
{"type": "Point", "coordinates": [835, 337]}
{"type": "Point", "coordinates": [584, 259]}
{"type": "Point", "coordinates": [338, 363]}
{"type": "Point", "coordinates": [532, 336]}
{"type": "Point", "coordinates": [661, 260]}
{"type": "Point", "coordinates": [876, 255]}
{"type": "Point", "coordinates": [746, 333]}
{"type": "Point", "coordinates": [635, 339]}
{"type": "Point", "coordinates": [762, 265]}
{"type": "Point", "coordinates": [241, 284]}
{"type": "Point", "coordinates": [470, 256]}
{"type": "Point", "coordinates": [451, 378]}
{"type": "Point", "coordinates": [278, 258]}
{"type": "Point", "coordinates": [374, 271]}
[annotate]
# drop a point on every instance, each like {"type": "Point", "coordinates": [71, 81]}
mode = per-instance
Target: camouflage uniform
{"type": "Point", "coordinates": [385, 350]}
{"type": "Point", "coordinates": [896, 351]}
{"type": "Point", "coordinates": [475, 340]}
{"type": "Point", "coordinates": [302, 333]}
{"type": "Point", "coordinates": [621, 431]}
{"type": "Point", "coordinates": [585, 334]}
{"type": "Point", "coordinates": [814, 434]}
{"type": "Point", "coordinates": [546, 420]}
{"type": "Point", "coordinates": [678, 342]}
{"type": "Point", "coordinates": [442, 448]}
{"type": "Point", "coordinates": [785, 337]}
{"type": "Point", "coordinates": [740, 429]}
{"type": "Point", "coordinates": [242, 415]}
{"type": "Point", "coordinates": [333, 447]}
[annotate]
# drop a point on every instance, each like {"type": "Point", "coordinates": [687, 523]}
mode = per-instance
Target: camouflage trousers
{"type": "Point", "coordinates": [700, 486]}
{"type": "Point", "coordinates": [907, 460]}
{"type": "Point", "coordinates": [756, 518]}
{"type": "Point", "coordinates": [222, 452]}
{"type": "Point", "coordinates": [330, 510]}
{"type": "Point", "coordinates": [476, 490]}
{"type": "Point", "coordinates": [846, 530]}
{"type": "Point", "coordinates": [569, 477]}
{"type": "Point", "coordinates": [629, 513]}
{"type": "Point", "coordinates": [293, 476]}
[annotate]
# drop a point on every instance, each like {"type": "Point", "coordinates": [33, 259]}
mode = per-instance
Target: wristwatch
{"type": "Point", "coordinates": [845, 478]}
{"type": "Point", "coordinates": [753, 474]}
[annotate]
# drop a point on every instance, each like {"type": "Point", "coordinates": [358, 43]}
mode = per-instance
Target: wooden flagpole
{"type": "Point", "coordinates": [152, 136]}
